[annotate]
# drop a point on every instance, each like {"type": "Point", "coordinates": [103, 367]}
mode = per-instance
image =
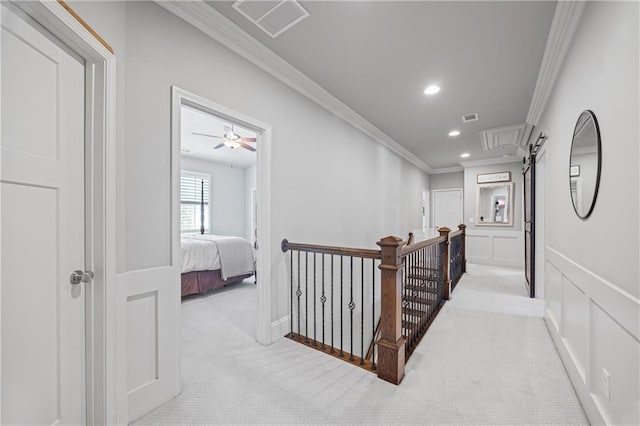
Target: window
{"type": "Point", "coordinates": [194, 191]}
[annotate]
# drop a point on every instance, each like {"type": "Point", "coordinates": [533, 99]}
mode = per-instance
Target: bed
{"type": "Point", "coordinates": [212, 261]}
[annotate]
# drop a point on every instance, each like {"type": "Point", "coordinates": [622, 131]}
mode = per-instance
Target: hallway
{"type": "Point", "coordinates": [487, 359]}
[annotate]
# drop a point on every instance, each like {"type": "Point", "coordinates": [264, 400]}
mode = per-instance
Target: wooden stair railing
{"type": "Point", "coordinates": [415, 281]}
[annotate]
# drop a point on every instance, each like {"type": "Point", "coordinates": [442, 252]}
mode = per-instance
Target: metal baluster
{"type": "Point", "coordinates": [298, 293]}
{"type": "Point", "coordinates": [323, 299]}
{"type": "Point", "coordinates": [351, 307]}
{"type": "Point", "coordinates": [291, 301]}
{"type": "Point", "coordinates": [421, 290]}
{"type": "Point", "coordinates": [332, 346]}
{"type": "Point", "coordinates": [306, 297]}
{"type": "Point", "coordinates": [341, 301]}
{"type": "Point", "coordinates": [416, 287]}
{"type": "Point", "coordinates": [373, 313]}
{"type": "Point", "coordinates": [362, 308]}
{"type": "Point", "coordinates": [315, 301]}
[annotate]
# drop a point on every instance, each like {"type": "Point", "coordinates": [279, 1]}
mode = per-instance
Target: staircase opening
{"type": "Point", "coordinates": [368, 307]}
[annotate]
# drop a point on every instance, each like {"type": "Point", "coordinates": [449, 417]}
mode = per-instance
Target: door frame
{"type": "Point", "coordinates": [181, 97]}
{"type": "Point", "coordinates": [100, 212]}
{"type": "Point", "coordinates": [541, 212]}
{"type": "Point", "coordinates": [434, 192]}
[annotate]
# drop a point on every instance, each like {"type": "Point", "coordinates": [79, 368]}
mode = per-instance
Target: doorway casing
{"type": "Point", "coordinates": [180, 97]}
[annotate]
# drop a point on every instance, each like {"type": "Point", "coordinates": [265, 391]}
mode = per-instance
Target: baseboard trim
{"type": "Point", "coordinates": [581, 388]}
{"type": "Point", "coordinates": [279, 328]}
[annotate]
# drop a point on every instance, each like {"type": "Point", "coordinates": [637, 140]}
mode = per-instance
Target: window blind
{"type": "Point", "coordinates": [192, 185]}
{"type": "Point", "coordinates": [190, 188]}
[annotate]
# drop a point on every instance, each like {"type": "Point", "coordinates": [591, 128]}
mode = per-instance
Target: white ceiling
{"type": "Point", "coordinates": [377, 57]}
{"type": "Point", "coordinates": [201, 147]}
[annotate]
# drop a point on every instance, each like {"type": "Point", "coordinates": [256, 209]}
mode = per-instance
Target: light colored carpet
{"type": "Point", "coordinates": [476, 365]}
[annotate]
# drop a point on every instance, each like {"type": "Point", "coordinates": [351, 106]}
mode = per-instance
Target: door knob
{"type": "Point", "coordinates": [78, 277]}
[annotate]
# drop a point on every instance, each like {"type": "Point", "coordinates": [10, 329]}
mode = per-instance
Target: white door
{"type": "Point", "coordinates": [42, 199]}
{"type": "Point", "coordinates": [447, 208]}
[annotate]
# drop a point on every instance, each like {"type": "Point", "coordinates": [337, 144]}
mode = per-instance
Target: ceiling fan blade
{"type": "Point", "coordinates": [219, 146]}
{"type": "Point", "coordinates": [204, 134]}
{"type": "Point", "coordinates": [245, 146]}
{"type": "Point", "coordinates": [248, 139]}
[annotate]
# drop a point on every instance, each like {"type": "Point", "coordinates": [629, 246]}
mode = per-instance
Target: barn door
{"type": "Point", "coordinates": [42, 198]}
{"type": "Point", "coordinates": [529, 171]}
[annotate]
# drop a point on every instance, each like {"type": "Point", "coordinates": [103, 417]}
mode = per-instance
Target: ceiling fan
{"type": "Point", "coordinates": [230, 139]}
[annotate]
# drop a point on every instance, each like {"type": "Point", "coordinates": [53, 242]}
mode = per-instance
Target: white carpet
{"type": "Point", "coordinates": [476, 365]}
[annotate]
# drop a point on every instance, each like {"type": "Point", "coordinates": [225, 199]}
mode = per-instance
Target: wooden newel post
{"type": "Point", "coordinates": [444, 232]}
{"type": "Point", "coordinates": [391, 358]}
{"type": "Point", "coordinates": [463, 250]}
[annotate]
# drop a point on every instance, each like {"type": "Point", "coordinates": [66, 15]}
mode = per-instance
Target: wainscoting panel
{"type": "Point", "coordinates": [617, 353]}
{"type": "Point", "coordinates": [575, 324]}
{"type": "Point", "coordinates": [597, 338]}
{"type": "Point", "coordinates": [553, 294]}
{"type": "Point", "coordinates": [507, 250]}
{"type": "Point", "coordinates": [148, 319]}
{"type": "Point", "coordinates": [478, 248]}
{"type": "Point", "coordinates": [495, 247]}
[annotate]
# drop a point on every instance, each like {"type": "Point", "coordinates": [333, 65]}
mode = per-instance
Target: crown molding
{"type": "Point", "coordinates": [563, 27]}
{"type": "Point", "coordinates": [491, 161]}
{"type": "Point", "coordinates": [446, 170]}
{"type": "Point", "coordinates": [217, 26]}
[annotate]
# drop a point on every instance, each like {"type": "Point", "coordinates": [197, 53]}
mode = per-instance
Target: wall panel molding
{"type": "Point", "coordinates": [622, 306]}
{"type": "Point", "coordinates": [598, 330]}
{"type": "Point", "coordinates": [495, 247]}
{"type": "Point", "coordinates": [148, 305]}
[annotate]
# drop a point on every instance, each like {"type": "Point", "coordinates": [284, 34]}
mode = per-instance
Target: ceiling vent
{"type": "Point", "coordinates": [467, 118]}
{"type": "Point", "coordinates": [272, 17]}
{"type": "Point", "coordinates": [503, 137]}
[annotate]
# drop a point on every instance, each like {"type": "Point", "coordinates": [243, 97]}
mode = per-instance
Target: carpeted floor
{"type": "Point", "coordinates": [487, 359]}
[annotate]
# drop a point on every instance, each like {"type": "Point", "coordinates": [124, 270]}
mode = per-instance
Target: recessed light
{"type": "Point", "coordinates": [431, 90]}
{"type": "Point", "coordinates": [465, 155]}
{"type": "Point", "coordinates": [454, 133]}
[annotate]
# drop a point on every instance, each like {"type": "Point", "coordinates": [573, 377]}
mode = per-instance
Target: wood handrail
{"type": "Point", "coordinates": [340, 251]}
{"type": "Point", "coordinates": [455, 233]}
{"type": "Point", "coordinates": [408, 249]}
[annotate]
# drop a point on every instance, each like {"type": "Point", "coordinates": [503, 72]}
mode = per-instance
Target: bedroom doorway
{"type": "Point", "coordinates": [221, 194]}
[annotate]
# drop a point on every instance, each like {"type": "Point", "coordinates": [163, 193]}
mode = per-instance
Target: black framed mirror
{"type": "Point", "coordinates": [584, 164]}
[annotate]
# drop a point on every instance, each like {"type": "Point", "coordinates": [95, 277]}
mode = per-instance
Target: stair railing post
{"type": "Point", "coordinates": [446, 281]}
{"type": "Point", "coordinates": [463, 249]}
{"type": "Point", "coordinates": [391, 345]}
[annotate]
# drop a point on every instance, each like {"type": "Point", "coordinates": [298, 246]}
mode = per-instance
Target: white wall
{"type": "Point", "coordinates": [446, 180]}
{"type": "Point", "coordinates": [228, 208]}
{"type": "Point", "coordinates": [494, 245]}
{"type": "Point", "coordinates": [591, 266]}
{"type": "Point", "coordinates": [333, 186]}
{"type": "Point", "coordinates": [250, 184]}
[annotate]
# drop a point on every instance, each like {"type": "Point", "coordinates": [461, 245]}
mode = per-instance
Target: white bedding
{"type": "Point", "coordinates": [234, 256]}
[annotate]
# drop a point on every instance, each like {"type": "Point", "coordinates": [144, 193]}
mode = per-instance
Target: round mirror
{"type": "Point", "coordinates": [584, 164]}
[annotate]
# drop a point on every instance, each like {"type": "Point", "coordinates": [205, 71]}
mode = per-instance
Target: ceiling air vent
{"type": "Point", "coordinates": [272, 17]}
{"type": "Point", "coordinates": [470, 117]}
{"type": "Point", "coordinates": [505, 137]}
